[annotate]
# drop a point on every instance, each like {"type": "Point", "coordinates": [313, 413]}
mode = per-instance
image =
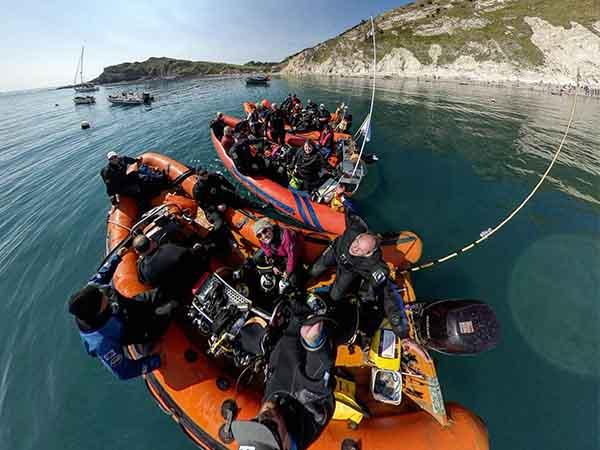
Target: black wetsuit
{"type": "Point", "coordinates": [276, 121]}
{"type": "Point", "coordinates": [312, 107]}
{"type": "Point", "coordinates": [287, 104]}
{"type": "Point", "coordinates": [372, 270]}
{"type": "Point", "coordinates": [215, 191]}
{"type": "Point", "coordinates": [254, 123]}
{"type": "Point", "coordinates": [300, 382]}
{"type": "Point", "coordinates": [324, 117]}
{"type": "Point", "coordinates": [171, 267]}
{"type": "Point", "coordinates": [243, 159]}
{"type": "Point", "coordinates": [308, 168]}
{"type": "Point", "coordinates": [118, 181]}
{"type": "Point", "coordinates": [218, 125]}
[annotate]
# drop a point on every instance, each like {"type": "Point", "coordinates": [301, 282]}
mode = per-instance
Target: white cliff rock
{"type": "Point", "coordinates": [567, 50]}
{"type": "Point", "coordinates": [564, 50]}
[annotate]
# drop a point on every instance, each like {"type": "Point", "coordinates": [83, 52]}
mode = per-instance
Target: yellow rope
{"type": "Point", "coordinates": [490, 231]}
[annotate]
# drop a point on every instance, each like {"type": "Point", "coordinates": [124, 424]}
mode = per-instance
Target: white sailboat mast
{"type": "Point", "coordinates": [81, 65]}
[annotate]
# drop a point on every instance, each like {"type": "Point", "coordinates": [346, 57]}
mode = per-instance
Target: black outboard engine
{"type": "Point", "coordinates": [457, 326]}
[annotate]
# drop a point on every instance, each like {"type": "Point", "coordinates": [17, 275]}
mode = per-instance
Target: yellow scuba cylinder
{"type": "Point", "coordinates": [386, 349]}
{"type": "Point", "coordinates": [385, 355]}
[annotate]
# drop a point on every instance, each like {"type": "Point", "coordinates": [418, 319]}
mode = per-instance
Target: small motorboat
{"type": "Point", "coordinates": [84, 99]}
{"type": "Point", "coordinates": [262, 80]}
{"type": "Point", "coordinates": [389, 390]}
{"type": "Point", "coordinates": [131, 98]}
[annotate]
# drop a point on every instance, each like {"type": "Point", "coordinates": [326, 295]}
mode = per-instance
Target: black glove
{"type": "Point", "coordinates": [399, 326]}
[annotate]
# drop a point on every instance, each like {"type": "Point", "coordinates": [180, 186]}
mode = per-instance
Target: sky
{"type": "Point", "coordinates": [40, 41]}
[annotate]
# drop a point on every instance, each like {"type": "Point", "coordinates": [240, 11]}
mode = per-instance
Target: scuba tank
{"type": "Point", "coordinates": [462, 327]}
{"type": "Point", "coordinates": [295, 182]}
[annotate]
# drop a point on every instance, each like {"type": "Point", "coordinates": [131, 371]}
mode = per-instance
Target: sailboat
{"type": "Point", "coordinates": [82, 87]}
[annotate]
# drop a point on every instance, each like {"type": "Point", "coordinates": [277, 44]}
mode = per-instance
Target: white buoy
{"type": "Point", "coordinates": [85, 125]}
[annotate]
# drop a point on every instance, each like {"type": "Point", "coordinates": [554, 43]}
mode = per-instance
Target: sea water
{"type": "Point", "coordinates": [454, 161]}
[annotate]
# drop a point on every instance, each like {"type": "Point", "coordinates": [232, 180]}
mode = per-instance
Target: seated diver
{"type": "Point", "coordinates": [116, 178]}
{"type": "Point", "coordinates": [279, 246]}
{"type": "Point", "coordinates": [298, 402]}
{"type": "Point", "coordinates": [326, 141]}
{"type": "Point", "coordinates": [324, 116]}
{"type": "Point", "coordinates": [106, 324]}
{"type": "Point", "coordinates": [255, 121]}
{"type": "Point", "coordinates": [214, 194]}
{"type": "Point", "coordinates": [311, 106]}
{"type": "Point", "coordinates": [306, 168]}
{"type": "Point", "coordinates": [227, 141]}
{"type": "Point", "coordinates": [275, 123]}
{"type": "Point", "coordinates": [243, 157]}
{"type": "Point", "coordinates": [286, 105]}
{"type": "Point", "coordinates": [295, 116]}
{"type": "Point", "coordinates": [296, 101]}
{"type": "Point", "coordinates": [170, 267]}
{"type": "Point", "coordinates": [218, 125]}
{"type": "Point", "coordinates": [139, 183]}
{"type": "Point", "coordinates": [357, 257]}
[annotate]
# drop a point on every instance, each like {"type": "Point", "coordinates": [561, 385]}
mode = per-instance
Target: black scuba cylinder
{"type": "Point", "coordinates": [458, 326]}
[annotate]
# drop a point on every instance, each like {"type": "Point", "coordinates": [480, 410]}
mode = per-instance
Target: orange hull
{"type": "Point", "coordinates": [191, 387]}
{"type": "Point", "coordinates": [296, 204]}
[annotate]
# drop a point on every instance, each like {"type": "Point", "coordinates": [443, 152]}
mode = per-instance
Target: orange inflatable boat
{"type": "Point", "coordinates": [291, 202]}
{"type": "Point", "coordinates": [203, 393]}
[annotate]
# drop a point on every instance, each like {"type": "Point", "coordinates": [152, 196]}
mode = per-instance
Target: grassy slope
{"type": "Point", "coordinates": [157, 67]}
{"type": "Point", "coordinates": [516, 46]}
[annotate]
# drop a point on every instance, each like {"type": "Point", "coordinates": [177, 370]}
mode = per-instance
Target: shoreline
{"type": "Point", "coordinates": [556, 89]}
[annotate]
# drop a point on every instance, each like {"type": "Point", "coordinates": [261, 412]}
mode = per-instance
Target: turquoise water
{"type": "Point", "coordinates": [453, 163]}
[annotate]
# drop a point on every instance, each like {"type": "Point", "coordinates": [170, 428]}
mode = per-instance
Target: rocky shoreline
{"type": "Point", "coordinates": [484, 42]}
{"type": "Point", "coordinates": [545, 87]}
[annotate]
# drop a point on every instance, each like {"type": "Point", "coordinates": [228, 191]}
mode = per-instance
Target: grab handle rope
{"type": "Point", "coordinates": [490, 231]}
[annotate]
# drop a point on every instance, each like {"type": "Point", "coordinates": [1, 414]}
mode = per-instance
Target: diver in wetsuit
{"type": "Point", "coordinates": [357, 258]}
{"type": "Point", "coordinates": [116, 178]}
{"type": "Point", "coordinates": [218, 125]}
{"type": "Point", "coordinates": [298, 402]}
{"type": "Point", "coordinates": [107, 322]}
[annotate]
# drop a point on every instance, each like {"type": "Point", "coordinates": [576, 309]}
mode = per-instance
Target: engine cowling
{"type": "Point", "coordinates": [458, 327]}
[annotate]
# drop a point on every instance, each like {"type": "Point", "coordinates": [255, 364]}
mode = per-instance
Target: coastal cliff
{"type": "Point", "coordinates": [533, 41]}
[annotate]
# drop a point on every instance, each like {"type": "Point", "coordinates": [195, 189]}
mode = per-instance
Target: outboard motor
{"type": "Point", "coordinates": [457, 326]}
{"type": "Point", "coordinates": [147, 98]}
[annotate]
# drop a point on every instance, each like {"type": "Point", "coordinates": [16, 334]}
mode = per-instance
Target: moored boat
{"type": "Point", "coordinates": [198, 390]}
{"type": "Point", "coordinates": [262, 80]}
{"type": "Point", "coordinates": [131, 98]}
